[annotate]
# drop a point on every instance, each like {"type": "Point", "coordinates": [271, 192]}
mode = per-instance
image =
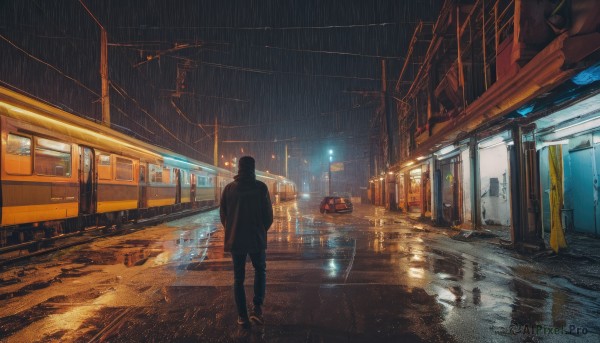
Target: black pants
{"type": "Point", "coordinates": [260, 279]}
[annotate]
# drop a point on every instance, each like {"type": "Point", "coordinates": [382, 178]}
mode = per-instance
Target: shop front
{"type": "Point", "coordinates": [569, 152]}
{"type": "Point", "coordinates": [414, 190]}
{"type": "Point", "coordinates": [494, 194]}
{"type": "Point", "coordinates": [448, 194]}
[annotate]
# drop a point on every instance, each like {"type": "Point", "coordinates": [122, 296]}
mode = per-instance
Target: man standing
{"type": "Point", "coordinates": [247, 214]}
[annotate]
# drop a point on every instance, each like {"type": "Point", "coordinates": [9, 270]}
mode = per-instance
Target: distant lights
{"type": "Point", "coordinates": [380, 179]}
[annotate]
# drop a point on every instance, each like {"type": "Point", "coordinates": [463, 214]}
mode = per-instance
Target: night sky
{"type": "Point", "coordinates": [274, 72]}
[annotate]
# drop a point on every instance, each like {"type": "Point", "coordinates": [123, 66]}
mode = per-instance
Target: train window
{"type": "Point", "coordinates": [202, 181]}
{"type": "Point", "coordinates": [166, 175]}
{"type": "Point", "coordinates": [124, 169]}
{"type": "Point", "coordinates": [155, 173]}
{"type": "Point", "coordinates": [18, 155]}
{"type": "Point", "coordinates": [104, 171]}
{"type": "Point", "coordinates": [52, 158]}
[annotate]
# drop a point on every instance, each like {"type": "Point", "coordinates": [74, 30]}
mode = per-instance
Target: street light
{"type": "Point", "coordinates": [330, 159]}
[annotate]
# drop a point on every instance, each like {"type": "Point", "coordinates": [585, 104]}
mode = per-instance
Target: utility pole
{"type": "Point", "coordinates": [386, 108]}
{"type": "Point", "coordinates": [103, 67]}
{"type": "Point", "coordinates": [329, 178]}
{"type": "Point", "coordinates": [329, 172]}
{"type": "Point", "coordinates": [286, 162]}
{"type": "Point", "coordinates": [104, 76]}
{"type": "Point", "coordinates": [216, 149]}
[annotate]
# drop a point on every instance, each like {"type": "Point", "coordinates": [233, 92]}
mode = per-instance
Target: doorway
{"type": "Point", "coordinates": [87, 181]}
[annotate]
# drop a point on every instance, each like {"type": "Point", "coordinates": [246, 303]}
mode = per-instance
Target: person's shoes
{"type": "Point", "coordinates": [256, 316]}
{"type": "Point", "coordinates": [243, 320]}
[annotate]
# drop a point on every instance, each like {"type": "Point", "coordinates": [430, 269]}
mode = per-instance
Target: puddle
{"type": "Point", "coordinates": [128, 258]}
{"type": "Point", "coordinates": [13, 323]}
{"type": "Point", "coordinates": [27, 289]}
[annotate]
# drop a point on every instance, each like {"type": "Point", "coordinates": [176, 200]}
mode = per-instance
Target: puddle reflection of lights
{"type": "Point", "coordinates": [333, 268]}
{"type": "Point", "coordinates": [416, 273]}
{"type": "Point", "coordinates": [73, 319]}
{"type": "Point", "coordinates": [417, 258]}
{"type": "Point", "coordinates": [446, 298]}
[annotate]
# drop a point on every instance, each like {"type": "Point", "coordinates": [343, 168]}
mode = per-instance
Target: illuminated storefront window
{"type": "Point", "coordinates": [414, 190]}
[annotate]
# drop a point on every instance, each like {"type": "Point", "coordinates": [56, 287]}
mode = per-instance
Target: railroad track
{"type": "Point", "coordinates": [19, 252]}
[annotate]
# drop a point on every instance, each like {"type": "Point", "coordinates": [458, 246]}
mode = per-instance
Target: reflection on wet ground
{"type": "Point", "coordinates": [360, 277]}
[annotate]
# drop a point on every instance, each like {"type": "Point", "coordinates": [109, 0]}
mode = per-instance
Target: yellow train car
{"type": "Point", "coordinates": [60, 172]}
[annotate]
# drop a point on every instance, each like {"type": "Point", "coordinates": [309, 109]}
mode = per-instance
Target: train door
{"type": "Point", "coordinates": [193, 188]}
{"type": "Point", "coordinates": [177, 185]}
{"type": "Point", "coordinates": [143, 199]}
{"type": "Point", "coordinates": [87, 181]}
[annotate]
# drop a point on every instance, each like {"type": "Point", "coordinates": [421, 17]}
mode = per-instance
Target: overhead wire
{"type": "Point", "coordinates": [119, 89]}
{"type": "Point", "coordinates": [122, 91]}
{"type": "Point", "coordinates": [46, 63]}
{"type": "Point", "coordinates": [329, 52]}
{"type": "Point", "coordinates": [304, 119]}
{"type": "Point", "coordinates": [269, 28]}
{"type": "Point", "coordinates": [271, 72]}
{"type": "Point", "coordinates": [72, 79]}
{"type": "Point", "coordinates": [165, 129]}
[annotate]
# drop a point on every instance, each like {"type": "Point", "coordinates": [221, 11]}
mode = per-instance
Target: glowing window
{"type": "Point", "coordinates": [124, 169]}
{"type": "Point", "coordinates": [166, 175]}
{"type": "Point", "coordinates": [18, 155]}
{"type": "Point", "coordinates": [155, 173]}
{"type": "Point", "coordinates": [52, 158]}
{"type": "Point", "coordinates": [104, 170]}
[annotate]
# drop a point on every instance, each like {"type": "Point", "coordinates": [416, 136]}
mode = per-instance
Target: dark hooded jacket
{"type": "Point", "coordinates": [246, 214]}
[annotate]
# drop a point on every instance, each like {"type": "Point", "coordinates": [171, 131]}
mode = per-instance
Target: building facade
{"type": "Point", "coordinates": [500, 122]}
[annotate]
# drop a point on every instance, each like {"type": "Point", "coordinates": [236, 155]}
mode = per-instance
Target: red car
{"type": "Point", "coordinates": [335, 204]}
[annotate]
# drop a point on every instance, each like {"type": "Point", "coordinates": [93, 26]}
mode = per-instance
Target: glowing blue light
{"type": "Point", "coordinates": [590, 75]}
{"type": "Point", "coordinates": [525, 110]}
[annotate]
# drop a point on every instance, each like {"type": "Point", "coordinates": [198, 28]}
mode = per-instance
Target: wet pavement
{"type": "Point", "coordinates": [361, 277]}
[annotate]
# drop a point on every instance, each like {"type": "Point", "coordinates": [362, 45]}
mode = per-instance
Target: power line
{"type": "Point", "coordinates": [294, 139]}
{"type": "Point", "coordinates": [77, 82]}
{"type": "Point", "coordinates": [47, 64]}
{"type": "Point", "coordinates": [193, 94]}
{"type": "Point", "coordinates": [120, 90]}
{"type": "Point", "coordinates": [267, 141]}
{"type": "Point", "coordinates": [271, 72]}
{"type": "Point", "coordinates": [165, 129]}
{"type": "Point", "coordinates": [267, 28]}
{"type": "Point", "coordinates": [92, 15]}
{"type": "Point", "coordinates": [329, 52]}
{"type": "Point", "coordinates": [308, 118]}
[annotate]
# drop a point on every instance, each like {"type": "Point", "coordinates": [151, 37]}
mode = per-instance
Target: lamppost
{"type": "Point", "coordinates": [330, 159]}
